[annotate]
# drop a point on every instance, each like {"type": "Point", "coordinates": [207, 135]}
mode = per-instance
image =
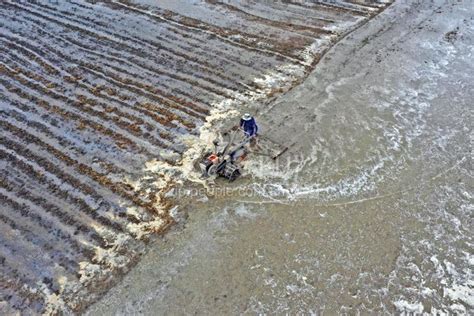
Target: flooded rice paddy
{"type": "Point", "coordinates": [371, 209]}
{"type": "Point", "coordinates": [101, 106]}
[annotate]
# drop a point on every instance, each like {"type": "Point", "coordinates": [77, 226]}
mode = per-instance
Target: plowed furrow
{"type": "Point", "coordinates": [55, 181]}
{"type": "Point", "coordinates": [174, 102]}
{"type": "Point", "coordinates": [34, 264]}
{"type": "Point", "coordinates": [297, 14]}
{"type": "Point", "coordinates": [305, 30]}
{"type": "Point", "coordinates": [166, 61]}
{"type": "Point", "coordinates": [21, 67]}
{"type": "Point", "coordinates": [194, 83]}
{"type": "Point", "coordinates": [39, 147]}
{"type": "Point", "coordinates": [13, 276]}
{"type": "Point", "coordinates": [197, 43]}
{"type": "Point", "coordinates": [149, 91]}
{"type": "Point", "coordinates": [193, 25]}
{"type": "Point", "coordinates": [80, 121]}
{"type": "Point", "coordinates": [364, 3]}
{"type": "Point", "coordinates": [164, 73]}
{"type": "Point", "coordinates": [60, 253]}
{"type": "Point", "coordinates": [26, 213]}
{"type": "Point", "coordinates": [170, 39]}
{"type": "Point", "coordinates": [21, 296]}
{"type": "Point", "coordinates": [139, 88]}
{"type": "Point", "coordinates": [120, 189]}
{"type": "Point", "coordinates": [328, 6]}
{"type": "Point", "coordinates": [121, 138]}
{"type": "Point", "coordinates": [132, 122]}
{"type": "Point", "coordinates": [53, 205]}
{"type": "Point", "coordinates": [171, 45]}
{"type": "Point", "coordinates": [27, 117]}
{"type": "Point", "coordinates": [102, 181]}
{"type": "Point", "coordinates": [34, 56]}
{"type": "Point", "coordinates": [164, 121]}
{"type": "Point", "coordinates": [79, 244]}
{"type": "Point", "coordinates": [14, 93]}
{"type": "Point", "coordinates": [81, 104]}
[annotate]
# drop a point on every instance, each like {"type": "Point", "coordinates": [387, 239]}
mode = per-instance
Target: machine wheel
{"type": "Point", "coordinates": [212, 170]}
{"type": "Point", "coordinates": [235, 174]}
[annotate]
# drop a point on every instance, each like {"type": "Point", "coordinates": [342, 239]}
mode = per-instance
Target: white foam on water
{"type": "Point", "coordinates": [348, 186]}
{"type": "Point", "coordinates": [461, 293]}
{"type": "Point", "coordinates": [406, 307]}
{"type": "Point", "coordinates": [343, 26]}
{"type": "Point", "coordinates": [276, 79]}
{"type": "Point", "coordinates": [287, 168]}
{"type": "Point", "coordinates": [318, 47]}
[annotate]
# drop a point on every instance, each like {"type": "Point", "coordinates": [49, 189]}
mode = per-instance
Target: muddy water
{"type": "Point", "coordinates": [371, 209]}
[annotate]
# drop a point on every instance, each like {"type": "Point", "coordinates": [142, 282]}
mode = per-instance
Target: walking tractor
{"type": "Point", "coordinates": [227, 157]}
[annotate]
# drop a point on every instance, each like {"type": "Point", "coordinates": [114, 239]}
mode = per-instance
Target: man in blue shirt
{"type": "Point", "coordinates": [248, 125]}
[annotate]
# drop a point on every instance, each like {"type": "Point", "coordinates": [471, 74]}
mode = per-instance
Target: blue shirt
{"type": "Point", "coordinates": [250, 127]}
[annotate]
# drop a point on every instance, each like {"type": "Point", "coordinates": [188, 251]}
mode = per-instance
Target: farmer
{"type": "Point", "coordinates": [248, 125]}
